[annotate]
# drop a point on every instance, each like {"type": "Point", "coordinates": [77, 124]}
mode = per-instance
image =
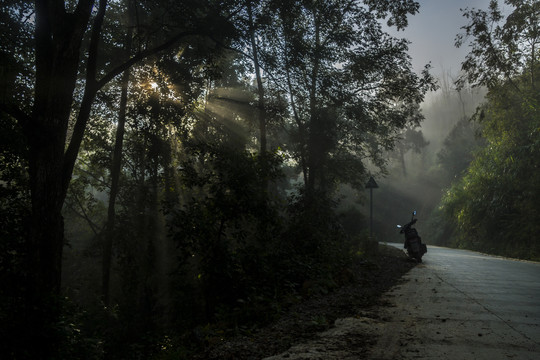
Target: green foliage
{"type": "Point", "coordinates": [458, 148]}
{"type": "Point", "coordinates": [225, 224]}
{"type": "Point", "coordinates": [501, 48]}
{"type": "Point", "coordinates": [350, 85]}
{"type": "Point", "coordinates": [495, 205]}
{"type": "Point", "coordinates": [248, 241]}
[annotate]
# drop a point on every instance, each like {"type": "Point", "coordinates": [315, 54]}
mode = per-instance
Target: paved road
{"type": "Point", "coordinates": [462, 305]}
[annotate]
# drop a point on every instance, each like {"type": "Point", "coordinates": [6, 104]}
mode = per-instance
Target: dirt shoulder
{"type": "Point", "coordinates": [311, 325]}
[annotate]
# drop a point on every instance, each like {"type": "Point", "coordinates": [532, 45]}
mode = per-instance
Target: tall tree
{"type": "Point", "coordinates": [258, 77]}
{"type": "Point", "coordinates": [350, 84]}
{"type": "Point", "coordinates": [60, 30]}
{"type": "Point", "coordinates": [411, 139]}
{"type": "Point", "coordinates": [117, 160]}
{"type": "Point", "coordinates": [260, 92]}
{"type": "Point", "coordinates": [494, 206]}
{"type": "Point", "coordinates": [501, 48]}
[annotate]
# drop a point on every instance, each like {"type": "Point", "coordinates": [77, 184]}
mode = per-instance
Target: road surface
{"type": "Point", "coordinates": [457, 305]}
{"type": "Point", "coordinates": [460, 304]}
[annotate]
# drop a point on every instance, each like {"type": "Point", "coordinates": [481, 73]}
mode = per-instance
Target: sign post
{"type": "Point", "coordinates": [371, 184]}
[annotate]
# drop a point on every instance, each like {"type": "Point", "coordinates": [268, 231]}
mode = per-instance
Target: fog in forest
{"type": "Point", "coordinates": [174, 173]}
{"type": "Point", "coordinates": [416, 179]}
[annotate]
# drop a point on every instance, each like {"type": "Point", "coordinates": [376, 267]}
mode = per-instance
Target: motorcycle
{"type": "Point", "coordinates": [413, 242]}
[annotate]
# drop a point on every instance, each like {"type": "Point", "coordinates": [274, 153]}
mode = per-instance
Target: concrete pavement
{"type": "Point", "coordinates": [462, 305]}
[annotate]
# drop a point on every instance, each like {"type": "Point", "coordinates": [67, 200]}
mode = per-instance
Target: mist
{"type": "Point", "coordinates": [418, 181]}
{"type": "Point", "coordinates": [201, 166]}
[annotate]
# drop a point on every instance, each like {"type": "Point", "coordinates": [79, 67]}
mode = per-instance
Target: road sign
{"type": "Point", "coordinates": [371, 184]}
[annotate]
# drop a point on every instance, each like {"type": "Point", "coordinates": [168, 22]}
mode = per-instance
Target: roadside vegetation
{"type": "Point", "coordinates": [494, 204]}
{"type": "Point", "coordinates": [174, 173]}
{"type": "Point", "coordinates": [170, 168]}
{"type": "Point", "coordinates": [471, 170]}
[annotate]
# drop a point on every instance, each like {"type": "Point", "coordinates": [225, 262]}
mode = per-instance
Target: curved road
{"type": "Point", "coordinates": [457, 305]}
{"type": "Point", "coordinates": [460, 304]}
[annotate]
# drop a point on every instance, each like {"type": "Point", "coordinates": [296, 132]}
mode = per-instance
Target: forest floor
{"type": "Point", "coordinates": [313, 320]}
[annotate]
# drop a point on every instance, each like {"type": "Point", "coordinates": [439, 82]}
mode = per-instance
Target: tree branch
{"type": "Point", "coordinates": [103, 183]}
{"type": "Point", "coordinates": [140, 56]}
{"type": "Point", "coordinates": [93, 226]}
{"type": "Point", "coordinates": [250, 57]}
{"type": "Point", "coordinates": [89, 94]}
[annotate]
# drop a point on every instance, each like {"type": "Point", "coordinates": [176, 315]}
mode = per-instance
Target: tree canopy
{"type": "Point", "coordinates": [493, 207]}
{"type": "Point", "coordinates": [181, 154]}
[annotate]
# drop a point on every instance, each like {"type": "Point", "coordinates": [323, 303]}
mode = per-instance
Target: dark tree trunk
{"type": "Point", "coordinates": [261, 103]}
{"type": "Point", "coordinates": [300, 124]}
{"type": "Point", "coordinates": [45, 243]}
{"type": "Point", "coordinates": [115, 180]}
{"type": "Point", "coordinates": [260, 88]}
{"type": "Point", "coordinates": [313, 158]}
{"type": "Point", "coordinates": [116, 169]}
{"type": "Point", "coordinates": [402, 160]}
{"type": "Point", "coordinates": [58, 40]}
